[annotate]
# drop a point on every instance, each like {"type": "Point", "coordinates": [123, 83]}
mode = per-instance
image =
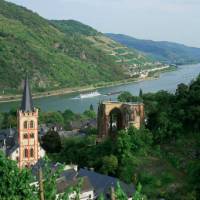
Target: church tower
{"type": "Point", "coordinates": [29, 148]}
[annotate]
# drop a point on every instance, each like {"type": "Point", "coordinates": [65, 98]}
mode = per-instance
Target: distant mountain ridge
{"type": "Point", "coordinates": [163, 51]}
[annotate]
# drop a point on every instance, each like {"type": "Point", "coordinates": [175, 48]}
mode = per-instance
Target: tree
{"type": "Point", "coordinates": [15, 183]}
{"type": "Point", "coordinates": [125, 97]}
{"type": "Point", "coordinates": [123, 144]}
{"type": "Point", "coordinates": [128, 168]}
{"type": "Point", "coordinates": [101, 197]}
{"type": "Point", "coordinates": [1, 120]}
{"type": "Point", "coordinates": [182, 91]}
{"type": "Point", "coordinates": [109, 164]}
{"type": "Point", "coordinates": [91, 107]}
{"type": "Point", "coordinates": [138, 193]}
{"type": "Point", "coordinates": [119, 193]}
{"type": "Point", "coordinates": [68, 115]}
{"type": "Point", "coordinates": [89, 114]}
{"type": "Point", "coordinates": [51, 142]}
{"type": "Point", "coordinates": [54, 118]}
{"type": "Point", "coordinates": [140, 93]}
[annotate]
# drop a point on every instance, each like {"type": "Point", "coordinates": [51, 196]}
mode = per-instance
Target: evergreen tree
{"type": "Point", "coordinates": [91, 107]}
{"type": "Point", "coordinates": [140, 93]}
{"type": "Point", "coordinates": [119, 193]}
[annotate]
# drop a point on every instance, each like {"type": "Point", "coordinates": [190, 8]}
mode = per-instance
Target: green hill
{"type": "Point", "coordinates": [72, 26]}
{"type": "Point", "coordinates": [58, 54]}
{"type": "Point", "coordinates": [129, 59]}
{"type": "Point", "coordinates": [163, 51]}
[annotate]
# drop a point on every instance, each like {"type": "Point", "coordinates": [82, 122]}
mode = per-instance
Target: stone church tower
{"type": "Point", "coordinates": [29, 148]}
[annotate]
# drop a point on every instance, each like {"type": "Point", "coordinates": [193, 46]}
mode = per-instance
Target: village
{"type": "Point", "coordinates": [22, 144]}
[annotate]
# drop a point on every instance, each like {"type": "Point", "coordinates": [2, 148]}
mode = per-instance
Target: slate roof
{"type": "Point", "coordinates": [63, 184]}
{"type": "Point", "coordinates": [103, 183]}
{"type": "Point", "coordinates": [12, 149]}
{"type": "Point", "coordinates": [8, 140]}
{"type": "Point", "coordinates": [27, 103]}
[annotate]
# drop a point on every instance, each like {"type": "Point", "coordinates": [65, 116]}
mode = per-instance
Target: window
{"type": "Point", "coordinates": [31, 124]}
{"type": "Point", "coordinates": [32, 135]}
{"type": "Point", "coordinates": [25, 136]}
{"type": "Point", "coordinates": [25, 153]}
{"type": "Point", "coordinates": [25, 125]}
{"type": "Point", "coordinates": [32, 152]}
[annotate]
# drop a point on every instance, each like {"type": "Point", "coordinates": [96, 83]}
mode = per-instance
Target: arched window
{"type": "Point", "coordinates": [32, 153]}
{"type": "Point", "coordinates": [25, 125]}
{"type": "Point", "coordinates": [25, 136]}
{"type": "Point", "coordinates": [25, 153]}
{"type": "Point", "coordinates": [32, 135]}
{"type": "Point", "coordinates": [31, 124]}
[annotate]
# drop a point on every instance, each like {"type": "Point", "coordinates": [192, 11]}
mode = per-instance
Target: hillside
{"type": "Point", "coordinates": [57, 54]}
{"type": "Point", "coordinates": [131, 60]}
{"type": "Point", "coordinates": [72, 26]}
{"type": "Point", "coordinates": [52, 58]}
{"type": "Point", "coordinates": [163, 51]}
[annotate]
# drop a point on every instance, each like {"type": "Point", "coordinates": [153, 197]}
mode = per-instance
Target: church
{"type": "Point", "coordinates": [25, 148]}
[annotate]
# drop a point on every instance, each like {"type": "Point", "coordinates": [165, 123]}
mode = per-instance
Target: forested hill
{"type": "Point", "coordinates": [58, 54]}
{"type": "Point", "coordinates": [164, 51]}
{"type": "Point", "coordinates": [72, 26]}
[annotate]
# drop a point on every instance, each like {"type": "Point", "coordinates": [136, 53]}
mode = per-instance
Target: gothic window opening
{"type": "Point", "coordinates": [32, 135]}
{"type": "Point", "coordinates": [26, 153]}
{"type": "Point", "coordinates": [115, 120]}
{"type": "Point", "coordinates": [25, 125]}
{"type": "Point", "coordinates": [32, 153]}
{"type": "Point", "coordinates": [25, 136]}
{"type": "Point", "coordinates": [31, 124]}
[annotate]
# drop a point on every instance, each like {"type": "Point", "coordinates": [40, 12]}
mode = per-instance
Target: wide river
{"type": "Point", "coordinates": [167, 81]}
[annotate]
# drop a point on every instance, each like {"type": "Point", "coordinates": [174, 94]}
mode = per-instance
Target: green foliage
{"type": "Point", "coordinates": [172, 114]}
{"type": "Point", "coordinates": [119, 193]}
{"type": "Point", "coordinates": [91, 107]}
{"type": "Point", "coordinates": [14, 184]}
{"type": "Point", "coordinates": [109, 164]}
{"type": "Point", "coordinates": [138, 193]}
{"type": "Point", "coordinates": [128, 97]}
{"type": "Point", "coordinates": [89, 114]}
{"type": "Point", "coordinates": [51, 142]}
{"type": "Point", "coordinates": [9, 119]}
{"type": "Point", "coordinates": [72, 26]}
{"type": "Point", "coordinates": [53, 118]}
{"type": "Point", "coordinates": [125, 97]}
{"type": "Point", "coordinates": [101, 197]}
{"type": "Point", "coordinates": [140, 93]}
{"type": "Point", "coordinates": [53, 57]}
{"type": "Point", "coordinates": [127, 172]}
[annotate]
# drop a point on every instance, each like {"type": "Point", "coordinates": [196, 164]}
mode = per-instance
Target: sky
{"type": "Point", "coordinates": [160, 20]}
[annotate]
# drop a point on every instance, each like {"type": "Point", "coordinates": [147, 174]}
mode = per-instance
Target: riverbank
{"type": "Point", "coordinates": [166, 81]}
{"type": "Point", "coordinates": [64, 91]}
{"type": "Point", "coordinates": [13, 98]}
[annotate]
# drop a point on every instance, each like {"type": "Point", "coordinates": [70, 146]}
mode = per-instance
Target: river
{"type": "Point", "coordinates": [167, 81]}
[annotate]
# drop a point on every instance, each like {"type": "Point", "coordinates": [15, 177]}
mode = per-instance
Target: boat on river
{"type": "Point", "coordinates": [89, 95]}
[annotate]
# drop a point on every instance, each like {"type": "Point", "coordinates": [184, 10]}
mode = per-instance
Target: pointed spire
{"type": "Point", "coordinates": [27, 104]}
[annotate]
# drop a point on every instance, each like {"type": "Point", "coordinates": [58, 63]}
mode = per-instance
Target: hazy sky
{"type": "Point", "coordinates": [172, 20]}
